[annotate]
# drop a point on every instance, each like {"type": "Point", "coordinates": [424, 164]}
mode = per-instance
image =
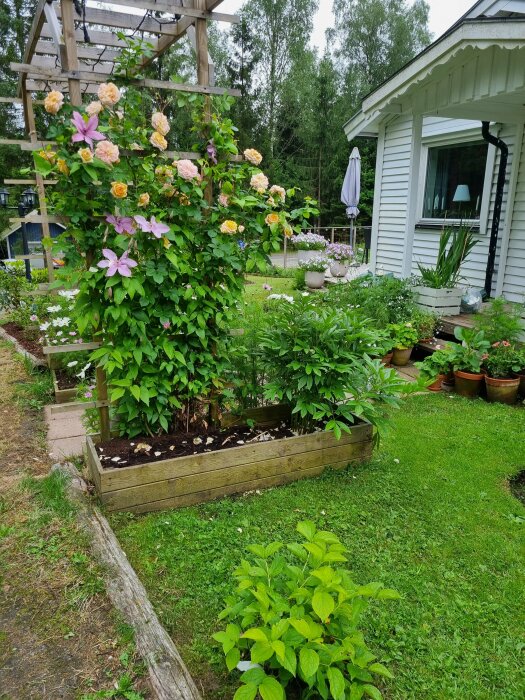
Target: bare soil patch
{"type": "Point", "coordinates": [25, 338]}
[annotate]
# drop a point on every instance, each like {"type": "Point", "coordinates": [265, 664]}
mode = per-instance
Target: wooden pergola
{"type": "Point", "coordinates": [73, 47]}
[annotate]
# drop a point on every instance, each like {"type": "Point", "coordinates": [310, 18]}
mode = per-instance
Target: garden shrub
{"type": "Point", "coordinates": [296, 619]}
{"type": "Point", "coordinates": [165, 255]}
{"type": "Point", "coordinates": [501, 320]}
{"type": "Point", "coordinates": [318, 360]}
{"type": "Point", "coordinates": [12, 289]}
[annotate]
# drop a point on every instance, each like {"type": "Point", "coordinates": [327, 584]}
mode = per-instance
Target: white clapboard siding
{"type": "Point", "coordinates": [436, 126]}
{"type": "Point", "coordinates": [514, 279]}
{"type": "Point", "coordinates": [395, 174]}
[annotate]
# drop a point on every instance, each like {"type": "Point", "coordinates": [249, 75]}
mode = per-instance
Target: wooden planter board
{"type": "Point", "coordinates": [184, 481]}
{"type": "Point", "coordinates": [62, 395]}
{"type": "Point", "coordinates": [444, 302]}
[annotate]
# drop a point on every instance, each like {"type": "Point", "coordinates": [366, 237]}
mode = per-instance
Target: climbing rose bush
{"type": "Point", "coordinates": [157, 251]}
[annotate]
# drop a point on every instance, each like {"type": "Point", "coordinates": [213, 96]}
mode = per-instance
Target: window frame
{"type": "Point", "coordinates": [465, 136]}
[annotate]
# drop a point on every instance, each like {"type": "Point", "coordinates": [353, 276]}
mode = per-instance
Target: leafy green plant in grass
{"type": "Point", "coordinates": [455, 244]}
{"type": "Point", "coordinates": [37, 390]}
{"type": "Point", "coordinates": [501, 320]}
{"type": "Point", "coordinates": [299, 622]}
{"type": "Point", "coordinates": [317, 361]}
{"type": "Point", "coordinates": [440, 362]}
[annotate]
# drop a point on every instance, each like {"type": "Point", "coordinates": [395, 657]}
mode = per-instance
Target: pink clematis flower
{"type": "Point", "coordinates": [155, 227]}
{"type": "Point", "coordinates": [114, 264]}
{"type": "Point", "coordinates": [86, 131]}
{"type": "Point", "coordinates": [122, 224]}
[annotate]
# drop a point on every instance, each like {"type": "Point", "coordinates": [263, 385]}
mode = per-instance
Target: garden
{"type": "Point", "coordinates": [211, 380]}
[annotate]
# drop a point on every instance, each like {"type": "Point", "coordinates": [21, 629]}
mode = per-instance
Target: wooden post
{"type": "Point", "coordinates": [68, 53]}
{"type": "Point", "coordinates": [332, 235]}
{"type": "Point", "coordinates": [103, 411]}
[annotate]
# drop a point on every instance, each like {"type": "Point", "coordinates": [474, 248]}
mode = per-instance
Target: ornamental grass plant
{"type": "Point", "coordinates": [455, 245]}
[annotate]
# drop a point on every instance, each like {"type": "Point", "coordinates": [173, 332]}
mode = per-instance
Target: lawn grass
{"type": "Point", "coordinates": [254, 292]}
{"type": "Point", "coordinates": [431, 516]}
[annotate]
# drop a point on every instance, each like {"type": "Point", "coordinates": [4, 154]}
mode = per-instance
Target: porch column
{"type": "Point", "coordinates": [413, 194]}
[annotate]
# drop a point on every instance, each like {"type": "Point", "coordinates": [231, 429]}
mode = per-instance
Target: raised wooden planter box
{"type": "Point", "coordinates": [444, 302]}
{"type": "Point", "coordinates": [62, 395]}
{"type": "Point", "coordinates": [184, 481]}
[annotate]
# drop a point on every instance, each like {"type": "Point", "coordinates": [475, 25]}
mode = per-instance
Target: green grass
{"type": "Point", "coordinates": [431, 516]}
{"type": "Point", "coordinates": [254, 292]}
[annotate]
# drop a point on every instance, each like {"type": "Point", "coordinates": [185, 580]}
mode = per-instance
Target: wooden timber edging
{"type": "Point", "coordinates": [169, 677]}
{"type": "Point", "coordinates": [62, 395]}
{"type": "Point", "coordinates": [192, 479]}
{"type": "Point", "coordinates": [35, 361]}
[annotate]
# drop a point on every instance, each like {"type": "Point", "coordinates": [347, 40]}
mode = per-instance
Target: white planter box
{"type": "Point", "coordinates": [444, 302]}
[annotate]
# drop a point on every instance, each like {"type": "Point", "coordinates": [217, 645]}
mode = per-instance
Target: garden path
{"type": "Point", "coordinates": [65, 432]}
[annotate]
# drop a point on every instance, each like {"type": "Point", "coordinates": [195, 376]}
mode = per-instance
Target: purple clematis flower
{"type": "Point", "coordinates": [212, 152]}
{"type": "Point", "coordinates": [86, 131]}
{"type": "Point", "coordinates": [155, 227]}
{"type": "Point", "coordinates": [114, 264]}
{"type": "Point", "coordinates": [122, 224]}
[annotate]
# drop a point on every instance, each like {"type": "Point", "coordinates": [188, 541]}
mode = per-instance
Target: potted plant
{"type": "Point", "coordinates": [502, 364]}
{"type": "Point", "coordinates": [340, 256]}
{"type": "Point", "coordinates": [425, 322]}
{"type": "Point", "coordinates": [520, 373]}
{"type": "Point", "coordinates": [438, 288]}
{"type": "Point", "coordinates": [466, 360]}
{"type": "Point", "coordinates": [434, 368]}
{"type": "Point", "coordinates": [314, 269]}
{"type": "Point", "coordinates": [308, 245]}
{"type": "Point", "coordinates": [404, 337]}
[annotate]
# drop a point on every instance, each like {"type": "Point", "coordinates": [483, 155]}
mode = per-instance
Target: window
{"type": "Point", "coordinates": [454, 183]}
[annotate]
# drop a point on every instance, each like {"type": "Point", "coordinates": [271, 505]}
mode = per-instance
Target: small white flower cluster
{"type": "Point", "coordinates": [308, 241]}
{"type": "Point", "coordinates": [286, 297]}
{"type": "Point", "coordinates": [59, 328]}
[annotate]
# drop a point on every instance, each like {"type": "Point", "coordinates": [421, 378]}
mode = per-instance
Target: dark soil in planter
{"type": "Point", "coordinates": [517, 486]}
{"type": "Point", "coordinates": [124, 452]}
{"type": "Point", "coordinates": [65, 380]}
{"type": "Point", "coordinates": [24, 338]}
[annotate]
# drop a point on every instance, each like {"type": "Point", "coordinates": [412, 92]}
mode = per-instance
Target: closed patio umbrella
{"type": "Point", "coordinates": [351, 189]}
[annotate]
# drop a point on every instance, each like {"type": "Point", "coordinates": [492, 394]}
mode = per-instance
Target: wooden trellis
{"type": "Point", "coordinates": [73, 47]}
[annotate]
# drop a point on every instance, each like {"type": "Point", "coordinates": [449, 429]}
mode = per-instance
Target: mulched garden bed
{"type": "Point", "coordinates": [22, 335]}
{"type": "Point", "coordinates": [121, 452]}
{"type": "Point", "coordinates": [65, 380]}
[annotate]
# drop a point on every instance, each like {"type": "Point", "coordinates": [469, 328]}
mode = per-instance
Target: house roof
{"type": "Point", "coordinates": [494, 26]}
{"type": "Point", "coordinates": [18, 227]}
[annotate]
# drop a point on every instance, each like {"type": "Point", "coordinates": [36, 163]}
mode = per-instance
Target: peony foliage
{"type": "Point", "coordinates": [158, 246]}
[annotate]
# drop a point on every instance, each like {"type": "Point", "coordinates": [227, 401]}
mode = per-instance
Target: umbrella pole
{"type": "Point", "coordinates": [352, 233]}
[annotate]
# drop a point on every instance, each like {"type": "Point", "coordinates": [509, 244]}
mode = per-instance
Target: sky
{"type": "Point", "coordinates": [443, 13]}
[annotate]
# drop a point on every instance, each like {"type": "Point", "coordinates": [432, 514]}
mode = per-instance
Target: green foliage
{"type": "Point", "coordinates": [455, 244]}
{"type": "Point", "coordinates": [382, 299]}
{"type": "Point", "coordinates": [439, 362]}
{"type": "Point", "coordinates": [501, 320]}
{"type": "Point", "coordinates": [503, 360]}
{"type": "Point", "coordinates": [37, 390]}
{"type": "Point", "coordinates": [12, 289]}
{"type": "Point", "coordinates": [425, 323]}
{"type": "Point", "coordinates": [468, 356]}
{"type": "Point", "coordinates": [403, 335]}
{"type": "Point", "coordinates": [301, 620]}
{"type": "Point", "coordinates": [318, 361]}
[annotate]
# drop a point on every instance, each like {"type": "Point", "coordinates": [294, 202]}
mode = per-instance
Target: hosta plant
{"type": "Point", "coordinates": [295, 618]}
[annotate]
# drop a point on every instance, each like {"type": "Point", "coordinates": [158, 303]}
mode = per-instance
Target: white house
{"type": "Point", "coordinates": [434, 163]}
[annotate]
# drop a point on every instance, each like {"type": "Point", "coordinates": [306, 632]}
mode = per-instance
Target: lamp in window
{"type": "Point", "coordinates": [462, 194]}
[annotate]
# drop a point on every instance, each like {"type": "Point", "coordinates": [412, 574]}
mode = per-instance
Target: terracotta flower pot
{"type": "Point", "coordinates": [468, 384]}
{"type": "Point", "coordinates": [338, 269]}
{"type": "Point", "coordinates": [387, 359]}
{"type": "Point", "coordinates": [436, 386]}
{"type": "Point", "coordinates": [521, 377]}
{"type": "Point", "coordinates": [448, 381]}
{"type": "Point", "coordinates": [314, 280]}
{"type": "Point", "coordinates": [502, 390]}
{"type": "Point", "coordinates": [401, 356]}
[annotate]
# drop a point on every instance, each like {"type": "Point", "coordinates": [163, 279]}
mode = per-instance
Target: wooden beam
{"type": "Point", "coordinates": [44, 86]}
{"type": "Point", "coordinates": [37, 219]}
{"type": "Point", "coordinates": [68, 53]}
{"type": "Point", "coordinates": [11, 100]}
{"type": "Point", "coordinates": [123, 20]}
{"type": "Point", "coordinates": [34, 35]}
{"type": "Point", "coordinates": [170, 9]}
{"type": "Point", "coordinates": [97, 37]}
{"type": "Point", "coordinates": [17, 181]}
{"type": "Point", "coordinates": [46, 48]}
{"type": "Point", "coordinates": [70, 347]}
{"type": "Point", "coordinates": [48, 62]}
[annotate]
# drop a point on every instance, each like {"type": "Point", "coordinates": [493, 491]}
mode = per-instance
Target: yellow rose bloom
{"type": "Point", "coordinates": [272, 218]}
{"type": "Point", "coordinates": [119, 190]}
{"type": "Point", "coordinates": [253, 156]}
{"type": "Point", "coordinates": [158, 141]}
{"type": "Point", "coordinates": [86, 155]}
{"type": "Point", "coordinates": [229, 226]}
{"type": "Point", "coordinates": [184, 200]}
{"type": "Point", "coordinates": [288, 230]}
{"type": "Point", "coordinates": [160, 123]}
{"type": "Point", "coordinates": [62, 166]}
{"type": "Point", "coordinates": [108, 94]}
{"type": "Point", "coordinates": [53, 101]}
{"type": "Point", "coordinates": [48, 155]}
{"type": "Point", "coordinates": [143, 199]}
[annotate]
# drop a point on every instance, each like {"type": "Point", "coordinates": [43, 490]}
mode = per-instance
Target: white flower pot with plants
{"type": "Point", "coordinates": [340, 256]}
{"type": "Point", "coordinates": [439, 290]}
{"type": "Point", "coordinates": [308, 245]}
{"type": "Point", "coordinates": [313, 279]}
